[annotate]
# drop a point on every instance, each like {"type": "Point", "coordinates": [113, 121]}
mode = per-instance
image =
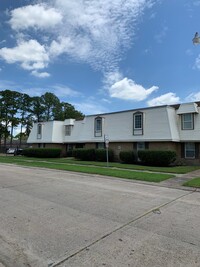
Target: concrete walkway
{"type": "Point", "coordinates": [178, 181]}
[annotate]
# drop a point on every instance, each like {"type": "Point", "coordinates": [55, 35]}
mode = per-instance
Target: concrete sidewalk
{"type": "Point", "coordinates": [178, 181]}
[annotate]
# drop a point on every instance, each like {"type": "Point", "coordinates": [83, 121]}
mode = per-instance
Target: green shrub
{"type": "Point", "coordinates": [128, 157]}
{"type": "Point", "coordinates": [156, 158]}
{"type": "Point", "coordinates": [69, 153]}
{"type": "Point", "coordinates": [84, 154]}
{"type": "Point", "coordinates": [100, 155]}
{"type": "Point", "coordinates": [42, 152]}
{"type": "Point", "coordinates": [92, 154]}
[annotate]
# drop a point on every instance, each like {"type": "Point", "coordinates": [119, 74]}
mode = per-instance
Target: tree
{"type": "Point", "coordinates": [37, 108]}
{"type": "Point", "coordinates": [68, 111]}
{"type": "Point", "coordinates": [18, 109]}
{"type": "Point", "coordinates": [25, 115]}
{"type": "Point", "coordinates": [9, 110]}
{"type": "Point", "coordinates": [51, 104]}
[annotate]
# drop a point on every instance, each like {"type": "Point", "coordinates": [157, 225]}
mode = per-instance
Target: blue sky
{"type": "Point", "coordinates": [102, 55]}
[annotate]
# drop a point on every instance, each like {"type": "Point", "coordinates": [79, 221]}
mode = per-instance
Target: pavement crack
{"type": "Point", "coordinates": [155, 209]}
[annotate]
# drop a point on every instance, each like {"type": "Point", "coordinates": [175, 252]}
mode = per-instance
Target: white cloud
{"type": "Point", "coordinates": [161, 35]}
{"type": "Point", "coordinates": [36, 16]}
{"type": "Point", "coordinates": [63, 91]}
{"type": "Point", "coordinates": [96, 32]}
{"type": "Point", "coordinates": [89, 107]}
{"type": "Point", "coordinates": [40, 74]}
{"type": "Point", "coordinates": [30, 55]}
{"type": "Point", "coordinates": [166, 99]}
{"type": "Point", "coordinates": [127, 89]}
{"type": "Point", "coordinates": [193, 97]}
{"type": "Point", "coordinates": [112, 77]}
{"type": "Point", "coordinates": [197, 62]}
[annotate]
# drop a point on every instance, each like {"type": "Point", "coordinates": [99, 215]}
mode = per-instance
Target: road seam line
{"type": "Point", "coordinates": [119, 228]}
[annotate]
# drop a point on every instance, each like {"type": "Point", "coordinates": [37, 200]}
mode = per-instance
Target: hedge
{"type": "Point", "coordinates": [102, 156]}
{"type": "Point", "coordinates": [157, 158]}
{"type": "Point", "coordinates": [128, 157]}
{"type": "Point", "coordinates": [92, 154]}
{"type": "Point", "coordinates": [84, 154]}
{"type": "Point", "coordinates": [42, 152]}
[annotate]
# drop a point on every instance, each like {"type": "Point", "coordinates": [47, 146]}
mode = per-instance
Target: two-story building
{"type": "Point", "coordinates": [169, 127]}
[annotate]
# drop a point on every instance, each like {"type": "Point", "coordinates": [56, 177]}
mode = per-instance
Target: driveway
{"type": "Point", "coordinates": [55, 218]}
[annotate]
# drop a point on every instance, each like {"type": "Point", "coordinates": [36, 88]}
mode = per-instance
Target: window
{"type": "Point", "coordinates": [39, 131]}
{"type": "Point", "coordinates": [187, 121]}
{"type": "Point", "coordinates": [68, 130]}
{"type": "Point", "coordinates": [190, 150]}
{"type": "Point", "coordinates": [41, 145]}
{"type": "Point", "coordinates": [100, 145]}
{"type": "Point", "coordinates": [141, 146]}
{"type": "Point", "coordinates": [98, 127]}
{"type": "Point", "coordinates": [138, 123]}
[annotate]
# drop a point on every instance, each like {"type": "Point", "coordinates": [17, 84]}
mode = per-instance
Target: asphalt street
{"type": "Point", "coordinates": [54, 218]}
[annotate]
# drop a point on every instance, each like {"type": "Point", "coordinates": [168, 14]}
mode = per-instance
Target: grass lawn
{"type": "Point", "coordinates": [77, 166]}
{"type": "Point", "coordinates": [176, 169]}
{"type": "Point", "coordinates": [193, 183]}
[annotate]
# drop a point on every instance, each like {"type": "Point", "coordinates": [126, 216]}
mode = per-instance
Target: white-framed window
{"type": "Point", "coordinates": [68, 130]}
{"type": "Point", "coordinates": [138, 123]}
{"type": "Point", "coordinates": [190, 150]}
{"type": "Point", "coordinates": [187, 121]}
{"type": "Point", "coordinates": [39, 131]}
{"type": "Point", "coordinates": [98, 127]}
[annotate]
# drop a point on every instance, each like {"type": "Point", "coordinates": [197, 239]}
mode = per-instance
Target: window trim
{"type": "Point", "coordinates": [68, 130]}
{"type": "Point", "coordinates": [39, 131]}
{"type": "Point", "coordinates": [191, 121]}
{"type": "Point", "coordinates": [138, 130]}
{"type": "Point", "coordinates": [186, 150]}
{"type": "Point", "coordinates": [98, 132]}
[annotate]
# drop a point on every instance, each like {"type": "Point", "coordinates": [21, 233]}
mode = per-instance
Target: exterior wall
{"type": "Point", "coordinates": [162, 130]}
{"type": "Point", "coordinates": [164, 146]}
{"type": "Point", "coordinates": [90, 145]}
{"type": "Point", "coordinates": [118, 147]}
{"type": "Point", "coordinates": [190, 135]}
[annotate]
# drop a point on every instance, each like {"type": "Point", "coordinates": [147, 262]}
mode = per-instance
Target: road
{"type": "Point", "coordinates": [56, 218]}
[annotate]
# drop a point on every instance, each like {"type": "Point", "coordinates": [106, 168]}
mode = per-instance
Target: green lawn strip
{"type": "Point", "coordinates": [127, 174]}
{"type": "Point", "coordinates": [175, 170]}
{"type": "Point", "coordinates": [193, 183]}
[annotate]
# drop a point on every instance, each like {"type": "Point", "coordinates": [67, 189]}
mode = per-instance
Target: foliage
{"type": "Point", "coordinates": [20, 110]}
{"type": "Point", "coordinates": [113, 172]}
{"type": "Point", "coordinates": [193, 183]}
{"type": "Point", "coordinates": [84, 154]}
{"type": "Point", "coordinates": [157, 158]}
{"type": "Point", "coordinates": [128, 157]}
{"type": "Point", "coordinates": [42, 152]}
{"type": "Point", "coordinates": [92, 154]}
{"type": "Point", "coordinates": [100, 155]}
